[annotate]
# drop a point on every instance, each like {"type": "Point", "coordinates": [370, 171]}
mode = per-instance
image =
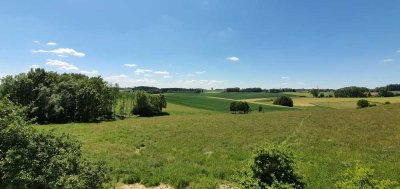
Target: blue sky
{"type": "Point", "coordinates": [206, 43]}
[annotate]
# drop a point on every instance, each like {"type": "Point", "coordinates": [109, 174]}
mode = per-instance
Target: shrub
{"type": "Point", "coordinates": [147, 105]}
{"type": "Point", "coordinates": [315, 92]}
{"type": "Point", "coordinates": [387, 102]}
{"type": "Point", "coordinates": [260, 108]}
{"type": "Point", "coordinates": [239, 106]}
{"type": "Point", "coordinates": [284, 101]}
{"type": "Point", "coordinates": [362, 177]}
{"type": "Point", "coordinates": [35, 160]}
{"type": "Point", "coordinates": [362, 103]}
{"type": "Point", "coordinates": [271, 167]}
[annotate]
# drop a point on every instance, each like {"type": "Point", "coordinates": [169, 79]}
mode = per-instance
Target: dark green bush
{"type": "Point", "coordinates": [362, 103]}
{"type": "Point", "coordinates": [239, 106]}
{"type": "Point", "coordinates": [284, 101]}
{"type": "Point", "coordinates": [387, 102]}
{"type": "Point", "coordinates": [271, 167]}
{"type": "Point", "coordinates": [260, 108]}
{"type": "Point", "coordinates": [145, 104]}
{"type": "Point", "coordinates": [30, 159]}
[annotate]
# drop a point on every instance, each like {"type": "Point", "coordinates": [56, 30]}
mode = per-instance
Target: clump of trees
{"type": "Point", "coordinates": [145, 104]}
{"type": "Point", "coordinates": [363, 177]}
{"type": "Point", "coordinates": [353, 92]}
{"type": "Point", "coordinates": [283, 101]}
{"type": "Point", "coordinates": [271, 167]}
{"type": "Point", "coordinates": [30, 159]}
{"type": "Point", "coordinates": [234, 89]}
{"type": "Point", "coordinates": [362, 103]}
{"type": "Point", "coordinates": [58, 98]}
{"type": "Point", "coordinates": [315, 93]}
{"type": "Point", "coordinates": [281, 90]}
{"type": "Point", "coordinates": [239, 107]}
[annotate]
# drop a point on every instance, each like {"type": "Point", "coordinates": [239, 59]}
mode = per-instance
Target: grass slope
{"type": "Point", "coordinates": [200, 150]}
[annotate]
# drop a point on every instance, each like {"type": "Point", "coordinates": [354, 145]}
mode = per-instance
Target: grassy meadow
{"type": "Point", "coordinates": [201, 145]}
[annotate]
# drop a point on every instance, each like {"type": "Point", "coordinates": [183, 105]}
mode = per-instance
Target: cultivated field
{"type": "Point", "coordinates": [201, 145]}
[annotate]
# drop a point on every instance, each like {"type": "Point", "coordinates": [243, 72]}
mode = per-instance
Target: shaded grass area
{"type": "Point", "coordinates": [217, 104]}
{"type": "Point", "coordinates": [201, 151]}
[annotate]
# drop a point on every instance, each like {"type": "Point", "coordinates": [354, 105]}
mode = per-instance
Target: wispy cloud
{"type": "Point", "coordinates": [61, 64]}
{"type": "Point", "coordinates": [233, 58]}
{"type": "Point", "coordinates": [62, 51]}
{"type": "Point", "coordinates": [63, 56]}
{"type": "Point", "coordinates": [34, 66]}
{"type": "Point", "coordinates": [284, 77]}
{"type": "Point", "coordinates": [130, 65]}
{"type": "Point", "coordinates": [387, 60]}
{"type": "Point", "coordinates": [124, 81]}
{"type": "Point", "coordinates": [50, 43]}
{"type": "Point", "coordinates": [300, 83]}
{"type": "Point", "coordinates": [36, 41]}
{"type": "Point", "coordinates": [149, 73]}
{"type": "Point", "coordinates": [200, 72]}
{"type": "Point", "coordinates": [284, 83]}
{"type": "Point", "coordinates": [202, 83]}
{"type": "Point", "coordinates": [93, 72]}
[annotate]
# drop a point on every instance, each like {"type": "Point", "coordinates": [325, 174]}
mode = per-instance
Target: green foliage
{"type": "Point", "coordinates": [60, 98]}
{"type": "Point", "coordinates": [387, 102]}
{"type": "Point", "coordinates": [284, 101]}
{"type": "Point", "coordinates": [385, 93]}
{"type": "Point", "coordinates": [271, 167]}
{"type": "Point", "coordinates": [30, 159]}
{"type": "Point", "coordinates": [315, 92]}
{"type": "Point", "coordinates": [148, 105]}
{"type": "Point", "coordinates": [362, 178]}
{"type": "Point", "coordinates": [353, 92]}
{"type": "Point", "coordinates": [362, 103]}
{"type": "Point", "coordinates": [239, 106]}
{"type": "Point", "coordinates": [235, 89]}
{"type": "Point", "coordinates": [260, 109]}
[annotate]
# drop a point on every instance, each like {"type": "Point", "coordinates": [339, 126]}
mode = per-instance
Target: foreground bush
{"type": "Point", "coordinates": [362, 103]}
{"type": "Point", "coordinates": [33, 160]}
{"type": "Point", "coordinates": [362, 177]}
{"type": "Point", "coordinates": [271, 167]}
{"type": "Point", "coordinates": [284, 101]}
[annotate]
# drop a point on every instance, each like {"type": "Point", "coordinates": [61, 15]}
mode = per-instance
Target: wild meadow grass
{"type": "Point", "coordinates": [198, 149]}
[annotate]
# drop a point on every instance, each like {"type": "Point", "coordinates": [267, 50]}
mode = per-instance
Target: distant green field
{"type": "Point", "coordinates": [246, 95]}
{"type": "Point", "coordinates": [200, 150]}
{"type": "Point", "coordinates": [213, 103]}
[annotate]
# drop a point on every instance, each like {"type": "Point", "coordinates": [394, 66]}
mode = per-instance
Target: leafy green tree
{"type": "Point", "coordinates": [283, 101]}
{"type": "Point", "coordinates": [30, 159]}
{"type": "Point", "coordinates": [260, 108]}
{"type": "Point", "coordinates": [233, 107]}
{"type": "Point", "coordinates": [272, 166]}
{"type": "Point", "coordinates": [362, 103]}
{"type": "Point", "coordinates": [315, 92]}
{"type": "Point", "coordinates": [362, 178]}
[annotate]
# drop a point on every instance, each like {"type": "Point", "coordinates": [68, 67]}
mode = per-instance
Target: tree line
{"type": "Point", "coordinates": [58, 98]}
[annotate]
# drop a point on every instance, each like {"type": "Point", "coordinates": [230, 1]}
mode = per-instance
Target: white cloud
{"type": "Point", "coordinates": [93, 72]}
{"type": "Point", "coordinates": [300, 83]}
{"type": "Point", "coordinates": [233, 58]}
{"type": "Point", "coordinates": [36, 41]}
{"type": "Point", "coordinates": [284, 83]}
{"type": "Point", "coordinates": [63, 56]}
{"type": "Point", "coordinates": [200, 72]}
{"type": "Point", "coordinates": [388, 60]}
{"type": "Point", "coordinates": [150, 73]}
{"type": "Point", "coordinates": [161, 72]}
{"type": "Point", "coordinates": [167, 76]}
{"type": "Point", "coordinates": [203, 83]}
{"type": "Point", "coordinates": [34, 66]}
{"type": "Point", "coordinates": [62, 51]}
{"type": "Point", "coordinates": [284, 77]}
{"type": "Point", "coordinates": [61, 64]}
{"type": "Point", "coordinates": [125, 81]}
{"type": "Point", "coordinates": [130, 65]}
{"type": "Point", "coordinates": [50, 43]}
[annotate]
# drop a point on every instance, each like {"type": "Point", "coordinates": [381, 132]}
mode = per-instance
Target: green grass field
{"type": "Point", "coordinates": [199, 148]}
{"type": "Point", "coordinates": [214, 103]}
